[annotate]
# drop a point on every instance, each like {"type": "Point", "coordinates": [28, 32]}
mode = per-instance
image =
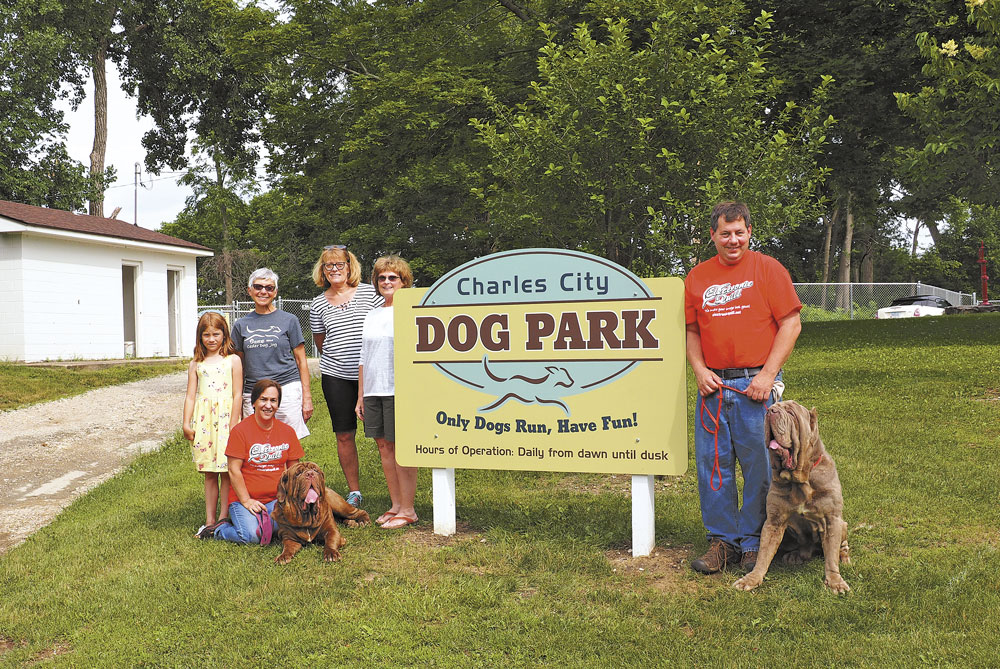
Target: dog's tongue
{"type": "Point", "coordinates": [311, 496]}
{"type": "Point", "coordinates": [786, 455]}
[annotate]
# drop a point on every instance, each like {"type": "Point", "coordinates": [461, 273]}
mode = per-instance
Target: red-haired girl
{"type": "Point", "coordinates": [213, 405]}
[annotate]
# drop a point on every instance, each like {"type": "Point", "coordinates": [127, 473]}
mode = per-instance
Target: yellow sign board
{"type": "Point", "coordinates": [543, 360]}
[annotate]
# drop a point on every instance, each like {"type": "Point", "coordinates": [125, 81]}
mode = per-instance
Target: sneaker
{"type": "Point", "coordinates": [208, 531]}
{"type": "Point", "coordinates": [354, 498]}
{"type": "Point", "coordinates": [748, 561]}
{"type": "Point", "coordinates": [719, 556]}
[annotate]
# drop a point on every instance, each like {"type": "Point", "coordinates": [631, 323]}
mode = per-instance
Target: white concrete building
{"type": "Point", "coordinates": [85, 287]}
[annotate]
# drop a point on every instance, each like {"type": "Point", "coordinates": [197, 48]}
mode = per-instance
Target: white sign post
{"type": "Point", "coordinates": [643, 515]}
{"type": "Point", "coordinates": [443, 481]}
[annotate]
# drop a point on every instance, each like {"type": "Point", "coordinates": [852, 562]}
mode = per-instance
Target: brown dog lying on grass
{"type": "Point", "coordinates": [805, 505]}
{"type": "Point", "coordinates": [306, 512]}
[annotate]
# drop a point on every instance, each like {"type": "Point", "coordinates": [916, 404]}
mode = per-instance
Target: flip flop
{"type": "Point", "coordinates": [397, 522]}
{"type": "Point", "coordinates": [385, 517]}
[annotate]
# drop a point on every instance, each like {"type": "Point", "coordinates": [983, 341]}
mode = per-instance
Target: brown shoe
{"type": "Point", "coordinates": [718, 557]}
{"type": "Point", "coordinates": [748, 561]}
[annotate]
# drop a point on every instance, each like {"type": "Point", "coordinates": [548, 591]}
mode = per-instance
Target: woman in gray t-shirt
{"type": "Point", "coordinates": [271, 345]}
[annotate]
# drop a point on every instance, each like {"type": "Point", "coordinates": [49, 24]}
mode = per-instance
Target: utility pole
{"type": "Point", "coordinates": [135, 197]}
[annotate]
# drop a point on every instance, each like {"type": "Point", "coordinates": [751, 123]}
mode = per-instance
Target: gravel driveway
{"type": "Point", "coordinates": [53, 452]}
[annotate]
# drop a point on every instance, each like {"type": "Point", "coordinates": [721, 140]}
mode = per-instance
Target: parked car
{"type": "Point", "coordinates": [913, 306]}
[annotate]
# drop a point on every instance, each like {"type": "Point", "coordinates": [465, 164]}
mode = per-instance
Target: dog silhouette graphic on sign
{"type": "Point", "coordinates": [543, 389]}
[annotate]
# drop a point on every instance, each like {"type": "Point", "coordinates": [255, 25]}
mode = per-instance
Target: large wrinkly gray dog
{"type": "Point", "coordinates": [805, 504]}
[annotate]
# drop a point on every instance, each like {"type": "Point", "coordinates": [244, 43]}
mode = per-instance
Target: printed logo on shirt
{"type": "Point", "coordinates": [723, 293]}
{"type": "Point", "coordinates": [263, 338]}
{"type": "Point", "coordinates": [261, 453]}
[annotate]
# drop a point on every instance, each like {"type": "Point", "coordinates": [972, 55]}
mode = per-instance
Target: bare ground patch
{"type": "Point", "coordinates": [619, 484]}
{"type": "Point", "coordinates": [422, 534]}
{"type": "Point", "coordinates": [990, 395]}
{"type": "Point", "coordinates": [57, 649]}
{"type": "Point", "coordinates": [665, 569]}
{"type": "Point", "coordinates": [7, 644]}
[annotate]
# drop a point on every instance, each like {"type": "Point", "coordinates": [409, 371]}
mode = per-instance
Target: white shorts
{"type": "Point", "coordinates": [290, 409]}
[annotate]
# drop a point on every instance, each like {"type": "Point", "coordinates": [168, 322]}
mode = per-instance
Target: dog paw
{"type": "Point", "coordinates": [331, 555]}
{"type": "Point", "coordinates": [837, 584]}
{"type": "Point", "coordinates": [845, 553]}
{"type": "Point", "coordinates": [283, 559]}
{"type": "Point", "coordinates": [748, 582]}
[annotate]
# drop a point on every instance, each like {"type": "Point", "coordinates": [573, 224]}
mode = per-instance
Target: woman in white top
{"type": "Point", "coordinates": [336, 317]}
{"type": "Point", "coordinates": [376, 390]}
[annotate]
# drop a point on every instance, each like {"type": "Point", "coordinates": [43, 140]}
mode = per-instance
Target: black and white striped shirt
{"type": "Point", "coordinates": [341, 325]}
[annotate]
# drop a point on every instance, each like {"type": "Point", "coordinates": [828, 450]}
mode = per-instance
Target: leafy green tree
{"type": "Point", "coordinates": [34, 165]}
{"type": "Point", "coordinates": [201, 93]}
{"type": "Point", "coordinates": [216, 215]}
{"type": "Point", "coordinates": [956, 109]}
{"type": "Point", "coordinates": [869, 51]}
{"type": "Point", "coordinates": [625, 142]}
{"type": "Point", "coordinates": [368, 119]}
{"type": "Point", "coordinates": [153, 43]}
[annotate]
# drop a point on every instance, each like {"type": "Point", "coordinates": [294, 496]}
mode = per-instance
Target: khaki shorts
{"type": "Point", "coordinates": [290, 409]}
{"type": "Point", "coordinates": [380, 417]}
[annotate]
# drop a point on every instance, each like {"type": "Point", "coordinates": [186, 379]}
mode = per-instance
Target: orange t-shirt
{"type": "Point", "coordinates": [264, 455]}
{"type": "Point", "coordinates": [737, 308]}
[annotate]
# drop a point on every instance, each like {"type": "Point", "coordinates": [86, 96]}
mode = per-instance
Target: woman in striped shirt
{"type": "Point", "coordinates": [336, 317]}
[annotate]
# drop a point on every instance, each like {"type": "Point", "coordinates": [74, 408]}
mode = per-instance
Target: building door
{"type": "Point", "coordinates": [129, 273]}
{"type": "Point", "coordinates": [173, 310]}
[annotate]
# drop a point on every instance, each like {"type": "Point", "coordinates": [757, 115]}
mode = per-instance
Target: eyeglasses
{"type": "Point", "coordinates": [260, 287]}
{"type": "Point", "coordinates": [327, 266]}
{"type": "Point", "coordinates": [388, 277]}
{"type": "Point", "coordinates": [339, 247]}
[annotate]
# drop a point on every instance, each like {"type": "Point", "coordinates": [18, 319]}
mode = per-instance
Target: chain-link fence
{"type": "Point", "coordinates": [820, 302]}
{"type": "Point", "coordinates": [297, 308]}
{"type": "Point", "coordinates": [851, 301]}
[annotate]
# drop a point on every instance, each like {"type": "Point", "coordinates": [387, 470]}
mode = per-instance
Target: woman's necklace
{"type": "Point", "coordinates": [348, 294]}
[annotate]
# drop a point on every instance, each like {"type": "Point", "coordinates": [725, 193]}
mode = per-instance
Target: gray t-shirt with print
{"type": "Point", "coordinates": [266, 342]}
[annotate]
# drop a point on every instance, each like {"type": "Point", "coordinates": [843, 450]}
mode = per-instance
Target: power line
{"type": "Point", "coordinates": [179, 175]}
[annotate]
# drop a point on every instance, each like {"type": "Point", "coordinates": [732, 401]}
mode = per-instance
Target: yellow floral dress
{"type": "Point", "coordinates": [213, 409]}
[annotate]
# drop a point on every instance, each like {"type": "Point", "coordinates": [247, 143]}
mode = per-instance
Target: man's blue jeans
{"type": "Point", "coordinates": [741, 437]}
{"type": "Point", "coordinates": [244, 527]}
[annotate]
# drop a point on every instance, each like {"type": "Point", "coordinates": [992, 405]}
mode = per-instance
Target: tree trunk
{"type": "Point", "coordinates": [96, 207]}
{"type": "Point", "coordinates": [827, 241]}
{"type": "Point", "coordinates": [932, 227]}
{"type": "Point", "coordinates": [227, 256]}
{"type": "Point", "coordinates": [867, 270]}
{"type": "Point", "coordinates": [916, 233]}
{"type": "Point", "coordinates": [843, 297]}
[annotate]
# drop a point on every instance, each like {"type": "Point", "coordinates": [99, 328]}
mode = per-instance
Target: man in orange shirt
{"type": "Point", "coordinates": [742, 319]}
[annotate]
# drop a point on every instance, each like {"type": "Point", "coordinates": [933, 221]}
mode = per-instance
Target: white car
{"type": "Point", "coordinates": [913, 306]}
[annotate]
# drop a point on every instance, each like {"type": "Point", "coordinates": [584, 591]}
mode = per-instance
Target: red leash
{"type": "Point", "coordinates": [715, 432]}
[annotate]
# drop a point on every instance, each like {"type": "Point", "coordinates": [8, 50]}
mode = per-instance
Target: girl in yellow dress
{"type": "Point", "coordinates": [213, 405]}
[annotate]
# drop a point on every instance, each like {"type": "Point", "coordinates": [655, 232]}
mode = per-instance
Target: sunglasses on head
{"type": "Point", "coordinates": [339, 247]}
{"type": "Point", "coordinates": [259, 287]}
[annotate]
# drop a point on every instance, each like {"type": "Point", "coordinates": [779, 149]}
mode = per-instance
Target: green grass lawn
{"type": "Point", "coordinates": [21, 385]}
{"type": "Point", "coordinates": [539, 574]}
